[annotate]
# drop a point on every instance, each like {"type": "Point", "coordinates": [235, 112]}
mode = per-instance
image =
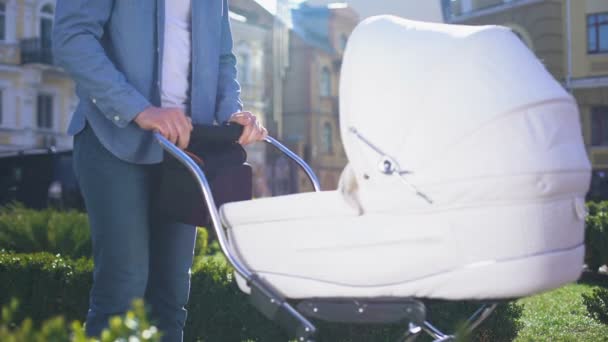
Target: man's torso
{"type": "Point", "coordinates": [176, 54]}
{"type": "Point", "coordinates": [133, 39]}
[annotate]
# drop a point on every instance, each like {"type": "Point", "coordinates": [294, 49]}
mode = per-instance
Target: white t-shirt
{"type": "Point", "coordinates": [176, 54]}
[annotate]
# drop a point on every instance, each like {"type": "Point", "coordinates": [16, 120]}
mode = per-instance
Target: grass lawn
{"type": "Point", "coordinates": [560, 315]}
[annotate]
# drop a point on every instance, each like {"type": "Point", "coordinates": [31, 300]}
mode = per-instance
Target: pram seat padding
{"type": "Point", "coordinates": [424, 255]}
{"type": "Point", "coordinates": [281, 209]}
{"type": "Point", "coordinates": [476, 123]}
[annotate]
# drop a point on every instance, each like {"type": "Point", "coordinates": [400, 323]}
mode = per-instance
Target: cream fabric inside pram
{"type": "Point", "coordinates": [466, 178]}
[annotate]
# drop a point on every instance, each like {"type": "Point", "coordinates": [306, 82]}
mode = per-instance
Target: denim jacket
{"type": "Point", "coordinates": [113, 50]}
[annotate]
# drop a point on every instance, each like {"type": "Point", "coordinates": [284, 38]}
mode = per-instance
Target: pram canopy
{"type": "Point", "coordinates": [466, 109]}
{"type": "Point", "coordinates": [466, 178]}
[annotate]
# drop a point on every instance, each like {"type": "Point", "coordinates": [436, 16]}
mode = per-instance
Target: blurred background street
{"type": "Point", "coordinates": [289, 57]}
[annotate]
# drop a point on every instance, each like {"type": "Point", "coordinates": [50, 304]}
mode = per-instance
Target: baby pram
{"type": "Point", "coordinates": [466, 181]}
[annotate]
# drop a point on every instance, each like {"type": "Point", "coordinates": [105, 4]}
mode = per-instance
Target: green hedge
{"type": "Point", "coordinates": [49, 285]}
{"type": "Point", "coordinates": [597, 304]}
{"type": "Point", "coordinates": [596, 235]}
{"type": "Point", "coordinates": [46, 285]}
{"type": "Point", "coordinates": [25, 230]}
{"type": "Point", "coordinates": [133, 326]}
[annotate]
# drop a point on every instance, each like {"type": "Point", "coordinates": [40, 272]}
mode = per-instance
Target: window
{"type": "Point", "coordinates": [597, 33]}
{"type": "Point", "coordinates": [599, 126]}
{"type": "Point", "coordinates": [2, 20]}
{"type": "Point", "coordinates": [325, 82]}
{"type": "Point", "coordinates": [46, 25]}
{"type": "Point", "coordinates": [44, 107]}
{"type": "Point", "coordinates": [328, 139]}
{"type": "Point", "coordinates": [244, 68]}
{"type": "Point", "coordinates": [343, 42]}
{"type": "Point", "coordinates": [281, 176]}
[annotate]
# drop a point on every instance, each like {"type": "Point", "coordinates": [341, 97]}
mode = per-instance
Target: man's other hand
{"type": "Point", "coordinates": [252, 128]}
{"type": "Point", "coordinates": [171, 123]}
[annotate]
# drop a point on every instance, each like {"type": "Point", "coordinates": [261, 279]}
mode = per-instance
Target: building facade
{"type": "Point", "coordinates": [571, 38]}
{"type": "Point", "coordinates": [252, 29]}
{"type": "Point", "coordinates": [426, 10]}
{"type": "Point", "coordinates": [36, 98]}
{"type": "Point", "coordinates": [261, 47]}
{"type": "Point", "coordinates": [311, 111]}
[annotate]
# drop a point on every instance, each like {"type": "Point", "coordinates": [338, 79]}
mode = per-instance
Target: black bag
{"type": "Point", "coordinates": [214, 149]}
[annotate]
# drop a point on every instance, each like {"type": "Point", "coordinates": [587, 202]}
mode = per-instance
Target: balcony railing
{"type": "Point", "coordinates": [36, 50]}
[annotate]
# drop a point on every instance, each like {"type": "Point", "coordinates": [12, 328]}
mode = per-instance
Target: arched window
{"type": "Point", "coordinates": [328, 138]}
{"type": "Point", "coordinates": [325, 85]}
{"type": "Point", "coordinates": [8, 21]}
{"type": "Point", "coordinates": [47, 12]}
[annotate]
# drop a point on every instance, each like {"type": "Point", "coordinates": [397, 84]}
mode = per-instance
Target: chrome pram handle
{"type": "Point", "coordinates": [214, 215]}
{"type": "Point", "coordinates": [231, 132]}
{"type": "Point", "coordinates": [305, 167]}
{"type": "Point", "coordinates": [227, 134]}
{"type": "Point", "coordinates": [261, 290]}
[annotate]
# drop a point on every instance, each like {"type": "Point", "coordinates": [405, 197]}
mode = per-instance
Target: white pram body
{"type": "Point", "coordinates": [466, 181]}
{"type": "Point", "coordinates": [481, 128]}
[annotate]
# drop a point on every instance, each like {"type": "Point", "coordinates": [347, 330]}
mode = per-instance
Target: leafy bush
{"type": "Point", "coordinates": [596, 235]}
{"type": "Point", "coordinates": [202, 241]}
{"type": "Point", "coordinates": [597, 304]}
{"type": "Point", "coordinates": [132, 326]}
{"type": "Point", "coordinates": [25, 230]}
{"type": "Point", "coordinates": [219, 311]}
{"type": "Point", "coordinates": [502, 325]}
{"type": "Point", "coordinates": [67, 233]}
{"type": "Point", "coordinates": [48, 285]}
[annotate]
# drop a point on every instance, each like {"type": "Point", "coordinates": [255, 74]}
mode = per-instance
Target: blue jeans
{"type": "Point", "coordinates": [136, 254]}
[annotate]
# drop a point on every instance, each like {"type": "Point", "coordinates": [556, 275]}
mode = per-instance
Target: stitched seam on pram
{"type": "Point", "coordinates": [343, 214]}
{"type": "Point", "coordinates": [498, 177]}
{"type": "Point", "coordinates": [462, 137]}
{"type": "Point", "coordinates": [486, 203]}
{"type": "Point", "coordinates": [404, 212]}
{"type": "Point", "coordinates": [292, 219]}
{"type": "Point", "coordinates": [438, 273]}
{"type": "Point", "coordinates": [429, 188]}
{"type": "Point", "coordinates": [424, 240]}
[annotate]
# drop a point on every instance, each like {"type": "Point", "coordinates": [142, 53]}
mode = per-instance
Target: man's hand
{"type": "Point", "coordinates": [252, 128]}
{"type": "Point", "coordinates": [171, 123]}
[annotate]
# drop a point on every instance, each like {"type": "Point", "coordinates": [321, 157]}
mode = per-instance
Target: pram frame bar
{"type": "Point", "coordinates": [264, 296]}
{"type": "Point", "coordinates": [276, 306]}
{"type": "Point", "coordinates": [307, 169]}
{"type": "Point", "coordinates": [201, 179]}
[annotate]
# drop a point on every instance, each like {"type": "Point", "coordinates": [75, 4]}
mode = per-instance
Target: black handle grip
{"type": "Point", "coordinates": [220, 134]}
